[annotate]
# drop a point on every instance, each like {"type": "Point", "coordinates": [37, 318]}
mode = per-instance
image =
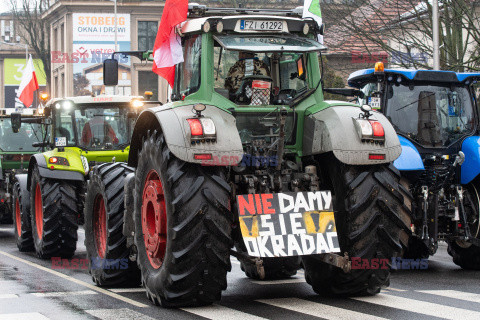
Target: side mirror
{"type": "Point", "coordinates": [16, 119]}
{"type": "Point", "coordinates": [110, 72]}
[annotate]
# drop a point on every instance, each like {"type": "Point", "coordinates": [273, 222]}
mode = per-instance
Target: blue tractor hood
{"type": "Point", "coordinates": [361, 77]}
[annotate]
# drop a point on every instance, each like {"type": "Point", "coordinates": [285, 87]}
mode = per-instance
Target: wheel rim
{"type": "Point", "coordinates": [18, 218]}
{"type": "Point", "coordinates": [154, 219]}
{"type": "Point", "coordinates": [475, 231]}
{"type": "Point", "coordinates": [100, 225]}
{"type": "Point", "coordinates": [39, 211]}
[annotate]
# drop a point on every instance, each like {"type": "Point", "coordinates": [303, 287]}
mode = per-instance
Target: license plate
{"type": "Point", "coordinates": [375, 103]}
{"type": "Point", "coordinates": [288, 224]}
{"type": "Point", "coordinates": [261, 25]}
{"type": "Point", "coordinates": [60, 141]}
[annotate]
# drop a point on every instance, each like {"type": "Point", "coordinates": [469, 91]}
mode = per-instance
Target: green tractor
{"type": "Point", "coordinates": [250, 161]}
{"type": "Point", "coordinates": [15, 152]}
{"type": "Point", "coordinates": [81, 132]}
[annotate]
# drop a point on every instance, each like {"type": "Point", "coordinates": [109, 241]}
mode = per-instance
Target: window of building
{"type": "Point", "coordinates": [148, 82]}
{"type": "Point", "coordinates": [62, 37]}
{"type": "Point", "coordinates": [147, 31]}
{"type": "Point", "coordinates": [62, 85]}
{"type": "Point", "coordinates": [54, 42]}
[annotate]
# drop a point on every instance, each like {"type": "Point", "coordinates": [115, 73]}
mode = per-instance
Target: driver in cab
{"type": "Point", "coordinates": [246, 65]}
{"type": "Point", "coordinates": [98, 130]}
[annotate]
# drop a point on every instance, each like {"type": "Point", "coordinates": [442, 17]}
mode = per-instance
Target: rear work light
{"type": "Point", "coordinates": [369, 130]}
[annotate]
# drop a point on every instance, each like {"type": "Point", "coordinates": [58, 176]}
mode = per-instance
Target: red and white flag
{"type": "Point", "coordinates": [167, 50]}
{"type": "Point", "coordinates": [28, 85]}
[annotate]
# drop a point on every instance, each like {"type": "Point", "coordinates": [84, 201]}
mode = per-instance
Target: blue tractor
{"type": "Point", "coordinates": [436, 117]}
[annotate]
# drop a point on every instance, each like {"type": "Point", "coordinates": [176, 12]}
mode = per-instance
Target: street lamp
{"type": "Point", "coordinates": [18, 45]}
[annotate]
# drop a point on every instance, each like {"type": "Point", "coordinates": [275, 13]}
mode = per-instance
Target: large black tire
{"type": "Point", "coordinates": [275, 268]}
{"type": "Point", "coordinates": [467, 255]}
{"type": "Point", "coordinates": [22, 223]}
{"type": "Point", "coordinates": [372, 222]}
{"type": "Point", "coordinates": [196, 254]}
{"type": "Point", "coordinates": [55, 234]}
{"type": "Point", "coordinates": [107, 251]}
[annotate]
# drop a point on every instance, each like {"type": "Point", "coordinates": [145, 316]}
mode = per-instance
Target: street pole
{"type": "Point", "coordinates": [116, 48]}
{"type": "Point", "coordinates": [435, 23]}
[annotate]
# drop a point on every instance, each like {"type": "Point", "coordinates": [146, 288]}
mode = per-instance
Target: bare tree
{"type": "Point", "coordinates": [34, 30]}
{"type": "Point", "coordinates": [403, 29]}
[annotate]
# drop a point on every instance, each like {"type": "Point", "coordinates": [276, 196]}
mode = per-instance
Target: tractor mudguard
{"type": "Point", "coordinates": [332, 129]}
{"type": "Point", "coordinates": [22, 180]}
{"type": "Point", "coordinates": [471, 166]}
{"type": "Point", "coordinates": [39, 160]}
{"type": "Point", "coordinates": [225, 151]}
{"type": "Point", "coordinates": [410, 158]}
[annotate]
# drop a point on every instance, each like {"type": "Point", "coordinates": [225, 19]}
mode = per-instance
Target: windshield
{"type": "Point", "coordinates": [433, 116]}
{"type": "Point", "coordinates": [21, 141]}
{"type": "Point", "coordinates": [94, 127]}
{"type": "Point", "coordinates": [248, 78]}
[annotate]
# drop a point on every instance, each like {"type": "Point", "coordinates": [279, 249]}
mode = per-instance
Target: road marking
{"type": "Point", "coordinates": [467, 296]}
{"type": "Point", "coordinates": [118, 314]}
{"type": "Point", "coordinates": [316, 309]}
{"type": "Point", "coordinates": [23, 316]}
{"type": "Point", "coordinates": [60, 294]}
{"type": "Point", "coordinates": [220, 312]}
{"type": "Point", "coordinates": [286, 281]}
{"type": "Point", "coordinates": [8, 296]}
{"type": "Point", "coordinates": [79, 282]}
{"type": "Point", "coordinates": [422, 307]}
{"type": "Point", "coordinates": [127, 290]}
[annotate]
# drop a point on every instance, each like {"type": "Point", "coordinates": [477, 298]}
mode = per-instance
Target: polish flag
{"type": "Point", "coordinates": [167, 50]}
{"type": "Point", "coordinates": [28, 85]}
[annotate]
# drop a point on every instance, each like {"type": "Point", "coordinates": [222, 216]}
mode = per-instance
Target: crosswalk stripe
{"type": "Point", "coordinates": [23, 316]}
{"type": "Point", "coordinates": [220, 312]}
{"type": "Point", "coordinates": [316, 309]}
{"type": "Point", "coordinates": [422, 307]}
{"type": "Point", "coordinates": [127, 290]}
{"type": "Point", "coordinates": [286, 281]}
{"type": "Point", "coordinates": [118, 314]}
{"type": "Point", "coordinates": [66, 293]}
{"type": "Point", "coordinates": [454, 294]}
{"type": "Point", "coordinates": [8, 296]}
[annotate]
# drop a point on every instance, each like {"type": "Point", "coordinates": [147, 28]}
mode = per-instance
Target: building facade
{"type": "Point", "coordinates": [82, 35]}
{"type": "Point", "coordinates": [13, 56]}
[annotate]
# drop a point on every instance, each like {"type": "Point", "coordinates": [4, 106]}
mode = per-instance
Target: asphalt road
{"type": "Point", "coordinates": [31, 289]}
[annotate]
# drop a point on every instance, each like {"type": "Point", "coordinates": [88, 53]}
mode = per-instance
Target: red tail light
{"type": "Point", "coordinates": [195, 127]}
{"type": "Point", "coordinates": [377, 129]}
{"type": "Point", "coordinates": [372, 156]}
{"type": "Point", "coordinates": [202, 156]}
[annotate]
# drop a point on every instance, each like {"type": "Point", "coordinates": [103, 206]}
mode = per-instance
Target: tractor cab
{"type": "Point", "coordinates": [432, 109]}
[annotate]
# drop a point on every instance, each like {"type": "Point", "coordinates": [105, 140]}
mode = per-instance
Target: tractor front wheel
{"type": "Point", "coordinates": [107, 251]}
{"type": "Point", "coordinates": [21, 221]}
{"type": "Point", "coordinates": [182, 227]}
{"type": "Point", "coordinates": [54, 211]}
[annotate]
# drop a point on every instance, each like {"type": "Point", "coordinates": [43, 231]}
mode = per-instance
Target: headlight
{"type": "Point", "coordinates": [85, 164]}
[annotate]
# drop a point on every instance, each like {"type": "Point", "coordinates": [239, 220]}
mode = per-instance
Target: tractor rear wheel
{"type": "Point", "coordinates": [107, 251]}
{"type": "Point", "coordinates": [21, 222]}
{"type": "Point", "coordinates": [372, 222]}
{"type": "Point", "coordinates": [465, 254]}
{"type": "Point", "coordinates": [55, 207]}
{"type": "Point", "coordinates": [182, 227]}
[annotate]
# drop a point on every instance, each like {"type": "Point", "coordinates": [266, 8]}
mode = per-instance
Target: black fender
{"type": "Point", "coordinates": [39, 161]}
{"type": "Point", "coordinates": [227, 149]}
